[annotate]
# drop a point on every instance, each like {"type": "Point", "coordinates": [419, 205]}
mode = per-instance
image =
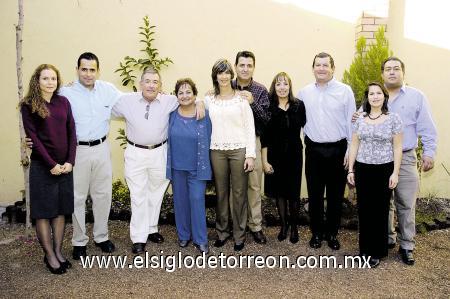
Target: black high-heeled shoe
{"type": "Point", "coordinates": [66, 264]}
{"type": "Point", "coordinates": [57, 271]}
{"type": "Point", "coordinates": [294, 238]}
{"type": "Point", "coordinates": [282, 235]}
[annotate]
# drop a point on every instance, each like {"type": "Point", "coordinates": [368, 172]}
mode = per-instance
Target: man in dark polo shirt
{"type": "Point", "coordinates": [245, 66]}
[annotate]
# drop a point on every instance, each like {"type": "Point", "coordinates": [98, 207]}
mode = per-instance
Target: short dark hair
{"type": "Point", "coordinates": [323, 55]}
{"type": "Point", "coordinates": [366, 105]}
{"type": "Point", "coordinates": [221, 66]}
{"type": "Point", "coordinates": [245, 54]}
{"type": "Point", "coordinates": [88, 56]}
{"type": "Point", "coordinates": [393, 58]}
{"type": "Point", "coordinates": [273, 97]}
{"type": "Point", "coordinates": [185, 81]}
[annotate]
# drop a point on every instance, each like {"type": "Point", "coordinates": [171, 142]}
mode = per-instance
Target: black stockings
{"type": "Point", "coordinates": [50, 233]}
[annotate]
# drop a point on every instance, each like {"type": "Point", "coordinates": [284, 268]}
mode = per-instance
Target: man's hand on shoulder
{"type": "Point", "coordinates": [209, 93]}
{"type": "Point", "coordinates": [247, 95]}
{"type": "Point", "coordinates": [200, 109]}
{"type": "Point", "coordinates": [356, 115]}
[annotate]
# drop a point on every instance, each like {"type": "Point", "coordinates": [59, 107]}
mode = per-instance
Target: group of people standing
{"type": "Point", "coordinates": [237, 132]}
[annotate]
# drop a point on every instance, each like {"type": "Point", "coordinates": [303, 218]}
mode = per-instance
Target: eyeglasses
{"type": "Point", "coordinates": [147, 108]}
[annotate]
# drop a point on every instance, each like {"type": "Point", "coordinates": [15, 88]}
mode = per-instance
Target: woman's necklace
{"type": "Point", "coordinates": [374, 118]}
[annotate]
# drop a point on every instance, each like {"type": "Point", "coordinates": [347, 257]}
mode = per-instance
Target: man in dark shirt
{"type": "Point", "coordinates": [259, 102]}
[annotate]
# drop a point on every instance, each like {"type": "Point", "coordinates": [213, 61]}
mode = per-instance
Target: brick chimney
{"type": "Point", "coordinates": [367, 25]}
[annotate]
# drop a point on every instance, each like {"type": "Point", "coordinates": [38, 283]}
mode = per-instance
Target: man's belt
{"type": "Point", "coordinates": [92, 142]}
{"type": "Point", "coordinates": [146, 146]}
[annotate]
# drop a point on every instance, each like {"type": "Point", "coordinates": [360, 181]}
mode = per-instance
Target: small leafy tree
{"type": "Point", "coordinates": [130, 65]}
{"type": "Point", "coordinates": [366, 65]}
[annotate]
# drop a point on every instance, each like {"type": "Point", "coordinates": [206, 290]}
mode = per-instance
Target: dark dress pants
{"type": "Point", "coordinates": [373, 193]}
{"type": "Point", "coordinates": [324, 170]}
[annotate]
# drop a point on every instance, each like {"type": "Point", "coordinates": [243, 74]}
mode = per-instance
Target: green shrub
{"type": "Point", "coordinates": [366, 65]}
{"type": "Point", "coordinates": [120, 197]}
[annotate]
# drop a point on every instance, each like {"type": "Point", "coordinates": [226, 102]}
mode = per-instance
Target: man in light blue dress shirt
{"type": "Point", "coordinates": [414, 110]}
{"type": "Point", "coordinates": [91, 101]}
{"type": "Point", "coordinates": [329, 105]}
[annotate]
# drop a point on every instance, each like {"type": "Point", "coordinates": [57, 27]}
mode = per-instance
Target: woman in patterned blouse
{"type": "Point", "coordinates": [374, 164]}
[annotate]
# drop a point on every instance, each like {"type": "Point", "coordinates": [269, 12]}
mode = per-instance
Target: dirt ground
{"type": "Point", "coordinates": [23, 274]}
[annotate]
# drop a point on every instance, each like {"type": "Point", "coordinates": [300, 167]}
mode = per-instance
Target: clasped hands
{"type": "Point", "coordinates": [61, 169]}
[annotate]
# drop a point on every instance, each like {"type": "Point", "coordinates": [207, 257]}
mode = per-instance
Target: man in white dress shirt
{"type": "Point", "coordinates": [147, 119]}
{"type": "Point", "coordinates": [329, 105]}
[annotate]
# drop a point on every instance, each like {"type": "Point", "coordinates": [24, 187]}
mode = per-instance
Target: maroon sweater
{"type": "Point", "coordinates": [54, 138]}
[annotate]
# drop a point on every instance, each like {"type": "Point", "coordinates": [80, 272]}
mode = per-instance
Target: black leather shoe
{"type": "Point", "coordinates": [239, 247]}
{"type": "Point", "coordinates": [138, 248]}
{"type": "Point", "coordinates": [294, 234]}
{"type": "Point", "coordinates": [315, 242]}
{"type": "Point", "coordinates": [407, 256]}
{"type": "Point", "coordinates": [220, 243]}
{"type": "Point", "coordinates": [202, 248]}
{"type": "Point", "coordinates": [106, 246]}
{"type": "Point", "coordinates": [259, 237]}
{"type": "Point", "coordinates": [183, 243]}
{"type": "Point", "coordinates": [78, 251]}
{"type": "Point", "coordinates": [58, 271]}
{"type": "Point", "coordinates": [282, 235]}
{"type": "Point", "coordinates": [333, 243]}
{"type": "Point", "coordinates": [391, 245]}
{"type": "Point", "coordinates": [373, 262]}
{"type": "Point", "coordinates": [155, 238]}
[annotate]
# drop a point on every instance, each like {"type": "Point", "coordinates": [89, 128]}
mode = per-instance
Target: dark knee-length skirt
{"type": "Point", "coordinates": [50, 195]}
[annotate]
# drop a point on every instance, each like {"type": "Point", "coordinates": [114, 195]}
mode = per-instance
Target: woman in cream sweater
{"type": "Point", "coordinates": [232, 153]}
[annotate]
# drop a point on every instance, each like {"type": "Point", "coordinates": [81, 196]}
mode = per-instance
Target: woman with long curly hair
{"type": "Point", "coordinates": [48, 122]}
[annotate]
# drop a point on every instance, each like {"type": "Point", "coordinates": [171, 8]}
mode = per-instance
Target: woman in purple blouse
{"type": "Point", "coordinates": [48, 121]}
